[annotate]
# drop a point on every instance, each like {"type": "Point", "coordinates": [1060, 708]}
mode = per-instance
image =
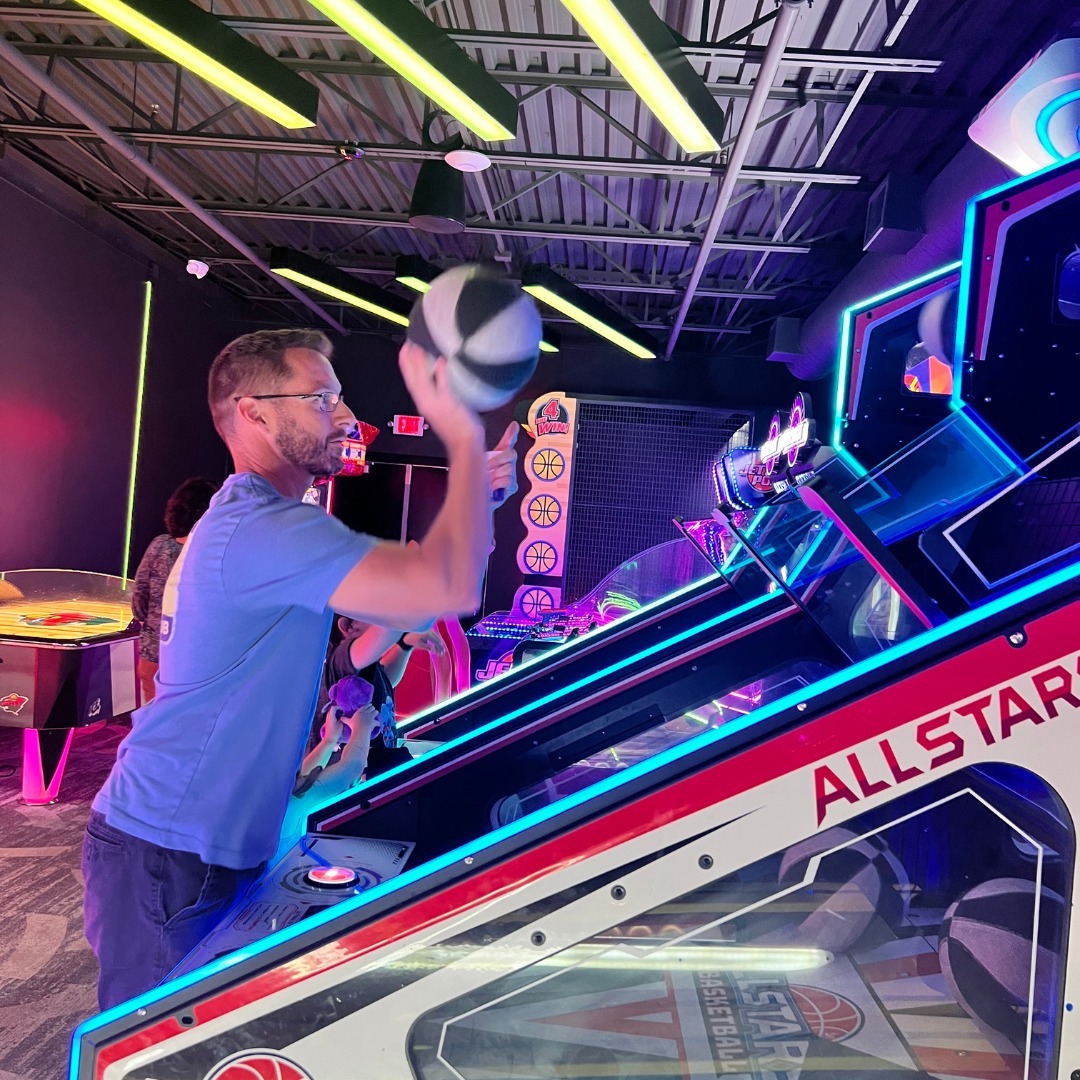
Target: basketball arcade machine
{"type": "Point", "coordinates": [824, 829]}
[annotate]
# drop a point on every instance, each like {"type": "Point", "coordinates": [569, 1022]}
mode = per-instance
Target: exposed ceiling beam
{"type": "Point", "coordinates": [779, 35]}
{"type": "Point", "coordinates": [833, 59]}
{"type": "Point", "coordinates": [260, 299]}
{"type": "Point", "coordinates": [539, 230]}
{"type": "Point", "coordinates": [818, 91]}
{"type": "Point", "coordinates": [384, 268]}
{"type": "Point", "coordinates": [529, 162]}
{"type": "Point", "coordinates": [132, 157]}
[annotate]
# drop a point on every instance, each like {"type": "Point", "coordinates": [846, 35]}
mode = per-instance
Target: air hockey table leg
{"type": "Point", "coordinates": [45, 754]}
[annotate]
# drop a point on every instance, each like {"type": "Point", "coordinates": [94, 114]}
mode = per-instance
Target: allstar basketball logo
{"type": "Point", "coordinates": [258, 1065]}
{"type": "Point", "coordinates": [552, 419]}
{"type": "Point", "coordinates": [13, 703]}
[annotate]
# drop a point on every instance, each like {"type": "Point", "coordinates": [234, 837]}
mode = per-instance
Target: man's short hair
{"type": "Point", "coordinates": [255, 364]}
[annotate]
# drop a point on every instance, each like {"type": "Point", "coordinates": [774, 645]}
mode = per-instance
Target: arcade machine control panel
{"type": "Point", "coordinates": [316, 874]}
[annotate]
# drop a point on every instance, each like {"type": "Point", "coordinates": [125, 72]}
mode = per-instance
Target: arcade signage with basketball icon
{"type": "Point", "coordinates": [551, 419]}
{"type": "Point", "coordinates": [747, 477]}
{"type": "Point", "coordinates": [545, 503]}
{"type": "Point", "coordinates": [354, 450]}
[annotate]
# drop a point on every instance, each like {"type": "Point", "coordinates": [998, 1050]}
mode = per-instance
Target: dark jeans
{"type": "Point", "coordinates": [146, 907]}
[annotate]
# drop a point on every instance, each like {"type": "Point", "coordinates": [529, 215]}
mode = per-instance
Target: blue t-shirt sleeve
{"type": "Point", "coordinates": [288, 553]}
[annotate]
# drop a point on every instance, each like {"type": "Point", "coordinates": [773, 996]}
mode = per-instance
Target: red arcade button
{"type": "Point", "coordinates": [332, 877]}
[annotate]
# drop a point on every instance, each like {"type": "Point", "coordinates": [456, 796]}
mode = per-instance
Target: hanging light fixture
{"type": "Point", "coordinates": [202, 43]}
{"type": "Point", "coordinates": [601, 318]}
{"type": "Point", "coordinates": [646, 53]}
{"type": "Point", "coordinates": [334, 282]}
{"type": "Point", "coordinates": [438, 199]}
{"type": "Point", "coordinates": [425, 54]}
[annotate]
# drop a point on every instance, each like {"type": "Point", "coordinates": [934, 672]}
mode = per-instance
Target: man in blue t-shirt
{"type": "Point", "coordinates": [194, 804]}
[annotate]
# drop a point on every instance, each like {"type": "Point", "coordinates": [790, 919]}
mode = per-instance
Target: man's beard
{"type": "Point", "coordinates": [314, 456]}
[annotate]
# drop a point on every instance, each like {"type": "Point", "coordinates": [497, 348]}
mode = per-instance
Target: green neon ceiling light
{"type": "Point", "coordinates": [140, 387]}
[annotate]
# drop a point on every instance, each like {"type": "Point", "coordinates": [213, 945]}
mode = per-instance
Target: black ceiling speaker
{"type": "Point", "coordinates": [438, 201]}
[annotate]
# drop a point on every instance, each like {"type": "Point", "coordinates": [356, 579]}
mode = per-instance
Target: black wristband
{"type": "Point", "coordinates": [402, 646]}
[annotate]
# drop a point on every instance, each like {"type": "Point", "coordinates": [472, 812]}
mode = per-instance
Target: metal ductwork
{"type": "Point", "coordinates": [970, 173]}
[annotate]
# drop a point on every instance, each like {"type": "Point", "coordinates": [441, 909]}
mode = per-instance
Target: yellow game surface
{"type": "Point", "coordinates": [18, 619]}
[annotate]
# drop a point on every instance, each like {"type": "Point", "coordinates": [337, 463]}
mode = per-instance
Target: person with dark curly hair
{"type": "Point", "coordinates": [186, 505]}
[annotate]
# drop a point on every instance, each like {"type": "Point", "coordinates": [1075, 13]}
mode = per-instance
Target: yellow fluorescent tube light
{"type": "Point", "coordinates": [606, 22]}
{"type": "Point", "coordinates": [403, 37]}
{"type": "Point", "coordinates": [590, 322]}
{"type": "Point", "coordinates": [341, 294]}
{"type": "Point", "coordinates": [202, 43]}
{"type": "Point", "coordinates": [332, 281]}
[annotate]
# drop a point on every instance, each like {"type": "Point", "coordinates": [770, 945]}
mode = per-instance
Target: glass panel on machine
{"type": "Point", "coordinates": [932, 478]}
{"type": "Point", "coordinates": [63, 605]}
{"type": "Point", "coordinates": [1033, 524]}
{"type": "Point", "coordinates": [706, 717]}
{"type": "Point", "coordinates": [879, 948]}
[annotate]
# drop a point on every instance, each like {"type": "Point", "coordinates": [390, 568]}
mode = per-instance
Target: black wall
{"type": "Point", "coordinates": [71, 313]}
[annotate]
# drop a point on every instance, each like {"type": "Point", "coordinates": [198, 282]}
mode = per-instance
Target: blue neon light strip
{"type": "Point", "coordinates": [842, 374]}
{"type": "Point", "coordinates": [547, 699]}
{"type": "Point", "coordinates": [962, 301]}
{"type": "Point", "coordinates": [967, 257]}
{"type": "Point", "coordinates": [624, 623]}
{"type": "Point", "coordinates": [844, 362]}
{"type": "Point", "coordinates": [1042, 122]}
{"type": "Point", "coordinates": [717, 735]}
{"type": "Point", "coordinates": [183, 981]}
{"type": "Point", "coordinates": [991, 440]}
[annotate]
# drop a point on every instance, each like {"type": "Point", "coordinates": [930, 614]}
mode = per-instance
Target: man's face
{"type": "Point", "coordinates": [305, 436]}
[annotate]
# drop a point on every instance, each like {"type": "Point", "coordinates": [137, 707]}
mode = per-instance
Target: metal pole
{"type": "Point", "coordinates": [774, 52]}
{"type": "Point", "coordinates": [65, 100]}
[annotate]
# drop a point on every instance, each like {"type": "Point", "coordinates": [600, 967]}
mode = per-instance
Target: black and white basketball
{"type": "Point", "coordinates": [857, 889]}
{"type": "Point", "coordinates": [986, 948]}
{"type": "Point", "coordinates": [487, 328]}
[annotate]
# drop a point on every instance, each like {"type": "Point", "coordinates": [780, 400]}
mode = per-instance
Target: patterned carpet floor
{"type": "Point", "coordinates": [47, 972]}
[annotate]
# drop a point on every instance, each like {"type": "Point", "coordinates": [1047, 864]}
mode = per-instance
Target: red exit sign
{"type": "Point", "coordinates": [408, 425]}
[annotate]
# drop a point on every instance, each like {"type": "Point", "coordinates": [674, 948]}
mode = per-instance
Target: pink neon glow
{"type": "Point", "coordinates": [34, 789]}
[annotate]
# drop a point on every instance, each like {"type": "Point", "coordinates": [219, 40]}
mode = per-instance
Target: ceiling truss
{"type": "Point", "coordinates": [640, 252]}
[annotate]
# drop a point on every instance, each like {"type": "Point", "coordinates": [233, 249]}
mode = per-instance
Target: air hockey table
{"type": "Point", "coordinates": [825, 827]}
{"type": "Point", "coordinates": [68, 657]}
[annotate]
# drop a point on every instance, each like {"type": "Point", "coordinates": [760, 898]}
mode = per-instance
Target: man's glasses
{"type": "Point", "coordinates": [327, 400]}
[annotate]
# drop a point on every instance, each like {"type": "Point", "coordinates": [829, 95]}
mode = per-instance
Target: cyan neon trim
{"type": "Point", "coordinates": [804, 694]}
{"type": "Point", "coordinates": [143, 350]}
{"type": "Point", "coordinates": [962, 301]}
{"type": "Point", "coordinates": [1042, 121]}
{"type": "Point", "coordinates": [826, 530]}
{"type": "Point", "coordinates": [618, 624]}
{"type": "Point", "coordinates": [842, 374]}
{"type": "Point", "coordinates": [991, 440]}
{"type": "Point", "coordinates": [967, 256]}
{"type": "Point", "coordinates": [845, 368]}
{"type": "Point", "coordinates": [225, 962]}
